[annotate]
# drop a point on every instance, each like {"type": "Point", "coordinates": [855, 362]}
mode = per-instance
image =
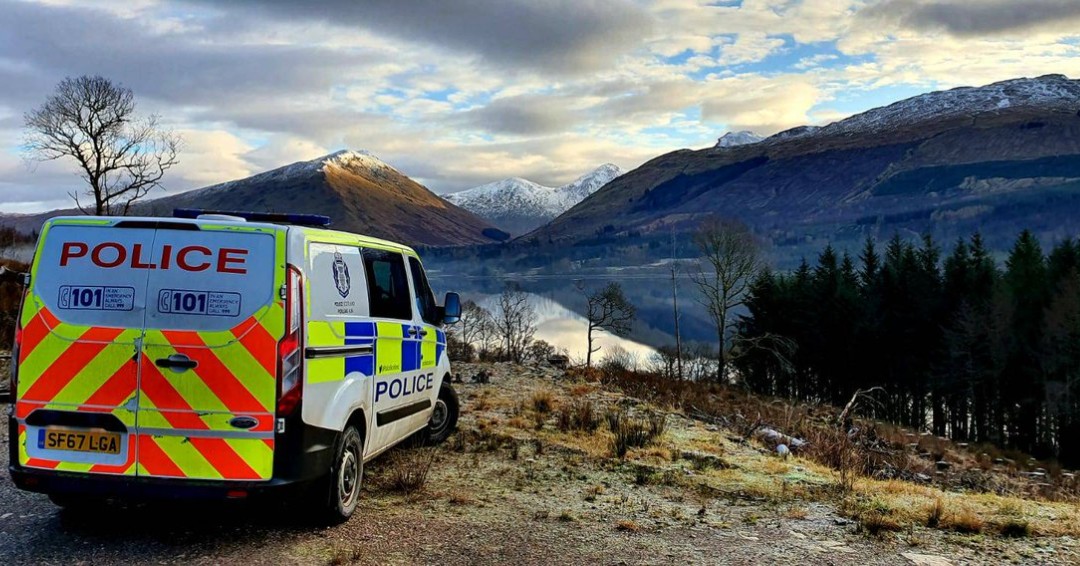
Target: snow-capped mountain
{"type": "Point", "coordinates": [518, 205]}
{"type": "Point", "coordinates": [993, 159]}
{"type": "Point", "coordinates": [1042, 93]}
{"type": "Point", "coordinates": [732, 139]}
{"type": "Point", "coordinates": [357, 190]}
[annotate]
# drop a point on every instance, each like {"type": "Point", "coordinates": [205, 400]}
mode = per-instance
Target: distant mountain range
{"type": "Point", "coordinates": [518, 205]}
{"type": "Point", "coordinates": [997, 158]}
{"type": "Point", "coordinates": [358, 191]}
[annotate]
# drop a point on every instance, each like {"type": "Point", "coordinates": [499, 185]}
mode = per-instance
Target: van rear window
{"type": "Point", "coordinates": [163, 279]}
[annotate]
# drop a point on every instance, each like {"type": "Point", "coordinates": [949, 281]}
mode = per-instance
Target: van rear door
{"type": "Point", "coordinates": [148, 347]}
{"type": "Point", "coordinates": [208, 365]}
{"type": "Point", "coordinates": [76, 399]}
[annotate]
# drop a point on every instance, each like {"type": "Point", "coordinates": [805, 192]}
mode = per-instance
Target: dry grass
{"type": "Point", "coordinates": [630, 432]}
{"type": "Point", "coordinates": [746, 471]}
{"type": "Point", "coordinates": [797, 513]}
{"type": "Point", "coordinates": [628, 526]}
{"type": "Point", "coordinates": [406, 471]}
{"type": "Point", "coordinates": [543, 402]}
{"type": "Point", "coordinates": [579, 415]}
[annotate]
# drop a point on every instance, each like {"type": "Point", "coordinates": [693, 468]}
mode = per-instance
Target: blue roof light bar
{"type": "Point", "coordinates": [279, 217]}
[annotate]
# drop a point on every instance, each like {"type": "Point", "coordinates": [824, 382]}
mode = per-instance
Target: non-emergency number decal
{"type": "Point", "coordinates": [80, 297]}
{"type": "Point", "coordinates": [208, 303]}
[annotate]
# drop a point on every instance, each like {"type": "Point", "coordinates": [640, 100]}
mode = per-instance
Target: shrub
{"type": "Point", "coordinates": [578, 415]}
{"type": "Point", "coordinates": [936, 512]}
{"type": "Point", "coordinates": [543, 402]}
{"type": "Point", "coordinates": [1015, 528]}
{"type": "Point", "coordinates": [630, 432]}
{"type": "Point", "coordinates": [965, 521]}
{"type": "Point", "coordinates": [408, 470]}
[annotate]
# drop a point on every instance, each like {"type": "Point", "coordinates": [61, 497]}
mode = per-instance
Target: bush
{"type": "Point", "coordinates": [618, 361]}
{"type": "Point", "coordinates": [543, 402]}
{"type": "Point", "coordinates": [630, 432]}
{"type": "Point", "coordinates": [578, 415]}
{"type": "Point", "coordinates": [407, 470]}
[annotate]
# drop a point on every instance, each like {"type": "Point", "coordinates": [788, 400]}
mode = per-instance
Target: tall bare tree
{"type": "Point", "coordinates": [607, 309]}
{"type": "Point", "coordinates": [514, 317]}
{"type": "Point", "coordinates": [120, 155]}
{"type": "Point", "coordinates": [730, 259]}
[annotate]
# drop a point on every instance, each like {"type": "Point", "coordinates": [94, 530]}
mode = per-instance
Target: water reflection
{"type": "Point", "coordinates": [568, 330]}
{"type": "Point", "coordinates": [560, 305]}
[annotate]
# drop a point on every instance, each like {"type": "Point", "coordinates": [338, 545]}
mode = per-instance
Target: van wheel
{"type": "Point", "coordinates": [445, 415]}
{"type": "Point", "coordinates": [346, 476]}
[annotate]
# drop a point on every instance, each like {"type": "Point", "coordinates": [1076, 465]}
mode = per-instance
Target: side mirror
{"type": "Point", "coordinates": [451, 309]}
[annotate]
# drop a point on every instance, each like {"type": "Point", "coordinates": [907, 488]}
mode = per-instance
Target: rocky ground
{"type": "Point", "coordinates": [520, 484]}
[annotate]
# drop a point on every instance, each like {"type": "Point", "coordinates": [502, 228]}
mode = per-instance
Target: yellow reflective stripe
{"type": "Point", "coordinates": [428, 348]}
{"type": "Point", "coordinates": [255, 453]}
{"type": "Point", "coordinates": [23, 456]}
{"type": "Point", "coordinates": [187, 386]}
{"type": "Point", "coordinates": [322, 333]}
{"type": "Point", "coordinates": [388, 348]}
{"type": "Point", "coordinates": [321, 370]}
{"type": "Point", "coordinates": [242, 365]}
{"type": "Point", "coordinates": [272, 317]}
{"type": "Point", "coordinates": [347, 239]}
{"type": "Point", "coordinates": [94, 374]}
{"type": "Point", "coordinates": [74, 467]}
{"type": "Point", "coordinates": [186, 457]}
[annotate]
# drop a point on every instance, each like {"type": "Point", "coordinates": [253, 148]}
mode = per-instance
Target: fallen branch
{"type": "Point", "coordinates": [842, 418]}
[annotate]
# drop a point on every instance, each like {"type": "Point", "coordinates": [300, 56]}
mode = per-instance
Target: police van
{"type": "Point", "coordinates": [222, 355]}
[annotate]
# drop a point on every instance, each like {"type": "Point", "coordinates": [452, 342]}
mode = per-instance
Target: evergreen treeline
{"type": "Point", "coordinates": [962, 347]}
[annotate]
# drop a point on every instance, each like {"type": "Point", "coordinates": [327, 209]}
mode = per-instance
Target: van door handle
{"type": "Point", "coordinates": [412, 331]}
{"type": "Point", "coordinates": [176, 362]}
{"type": "Point", "coordinates": [423, 332]}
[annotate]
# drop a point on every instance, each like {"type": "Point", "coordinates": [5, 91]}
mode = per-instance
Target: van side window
{"type": "Point", "coordinates": [388, 286]}
{"type": "Point", "coordinates": [425, 300]}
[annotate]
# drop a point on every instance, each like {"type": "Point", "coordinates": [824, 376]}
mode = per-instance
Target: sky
{"type": "Point", "coordinates": [460, 93]}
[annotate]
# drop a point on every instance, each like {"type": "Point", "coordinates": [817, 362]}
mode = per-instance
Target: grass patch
{"type": "Point", "coordinates": [630, 432]}
{"type": "Point", "coordinates": [406, 471]}
{"type": "Point", "coordinates": [543, 402]}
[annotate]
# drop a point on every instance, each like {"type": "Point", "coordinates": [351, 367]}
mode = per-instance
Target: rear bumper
{"type": "Point", "coordinates": [302, 456]}
{"type": "Point", "coordinates": [127, 487]}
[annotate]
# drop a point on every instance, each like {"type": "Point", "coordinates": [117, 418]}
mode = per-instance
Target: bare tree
{"type": "Point", "coordinates": [472, 332]}
{"type": "Point", "coordinates": [514, 317]}
{"type": "Point", "coordinates": [607, 309]}
{"type": "Point", "coordinates": [730, 260]}
{"type": "Point", "coordinates": [120, 156]}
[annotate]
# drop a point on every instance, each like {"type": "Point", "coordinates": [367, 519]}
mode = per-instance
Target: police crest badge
{"type": "Point", "coordinates": [341, 275]}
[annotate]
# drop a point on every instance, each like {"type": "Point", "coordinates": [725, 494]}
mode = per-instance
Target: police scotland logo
{"type": "Point", "coordinates": [341, 275]}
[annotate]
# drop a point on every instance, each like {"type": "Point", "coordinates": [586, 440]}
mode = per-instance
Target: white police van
{"type": "Point", "coordinates": [222, 354]}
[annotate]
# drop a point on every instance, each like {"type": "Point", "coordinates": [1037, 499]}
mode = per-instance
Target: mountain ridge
{"type": "Point", "coordinates": [518, 205]}
{"type": "Point", "coordinates": [357, 190]}
{"type": "Point", "coordinates": [1006, 155]}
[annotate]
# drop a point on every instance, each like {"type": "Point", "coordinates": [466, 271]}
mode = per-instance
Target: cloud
{"type": "Point", "coordinates": [561, 36]}
{"type": "Point", "coordinates": [760, 104]}
{"type": "Point", "coordinates": [964, 18]}
{"type": "Point", "coordinates": [522, 115]}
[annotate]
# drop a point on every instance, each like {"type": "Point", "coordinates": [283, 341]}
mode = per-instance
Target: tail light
{"type": "Point", "coordinates": [290, 349]}
{"type": "Point", "coordinates": [16, 348]}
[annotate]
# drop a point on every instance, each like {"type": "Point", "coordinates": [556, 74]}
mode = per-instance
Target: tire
{"type": "Point", "coordinates": [444, 417]}
{"type": "Point", "coordinates": [346, 477]}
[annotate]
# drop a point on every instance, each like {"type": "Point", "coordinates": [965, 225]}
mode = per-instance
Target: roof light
{"type": "Point", "coordinates": [283, 218]}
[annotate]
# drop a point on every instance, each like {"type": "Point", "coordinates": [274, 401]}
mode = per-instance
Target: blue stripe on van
{"type": "Point", "coordinates": [360, 329]}
{"type": "Point", "coordinates": [410, 355]}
